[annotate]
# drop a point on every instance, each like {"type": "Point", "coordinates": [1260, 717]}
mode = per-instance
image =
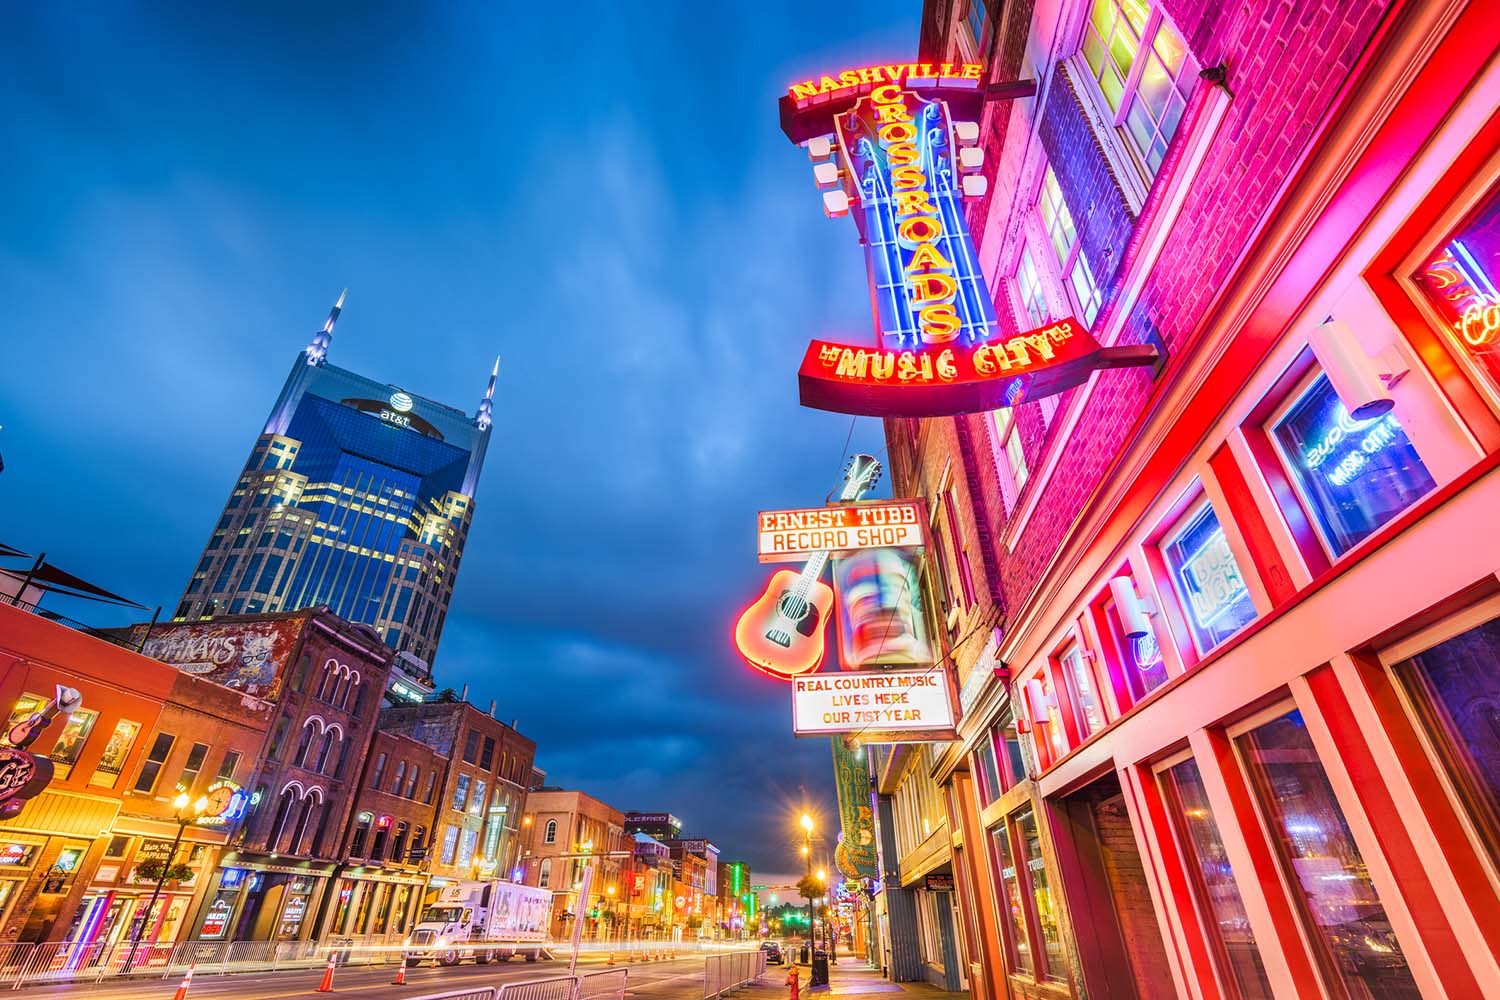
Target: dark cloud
{"type": "Point", "coordinates": [603, 199]}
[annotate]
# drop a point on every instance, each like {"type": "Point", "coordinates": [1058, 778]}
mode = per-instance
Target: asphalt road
{"type": "Point", "coordinates": [669, 980]}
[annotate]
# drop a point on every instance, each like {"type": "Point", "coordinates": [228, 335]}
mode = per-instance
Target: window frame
{"type": "Point", "coordinates": [1174, 530]}
{"type": "Point", "coordinates": [1075, 257]}
{"type": "Point", "coordinates": [1122, 150]}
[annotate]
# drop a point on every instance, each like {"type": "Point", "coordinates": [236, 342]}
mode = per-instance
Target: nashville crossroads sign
{"type": "Point", "coordinates": [794, 535]}
{"type": "Point", "coordinates": [889, 132]}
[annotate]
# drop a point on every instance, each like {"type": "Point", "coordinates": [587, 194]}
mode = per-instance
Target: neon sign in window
{"type": "Point", "coordinates": [1208, 580]}
{"type": "Point", "coordinates": [1355, 474]}
{"type": "Point", "coordinates": [1462, 281]}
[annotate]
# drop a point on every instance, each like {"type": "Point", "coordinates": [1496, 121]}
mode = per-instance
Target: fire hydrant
{"type": "Point", "coordinates": [793, 981]}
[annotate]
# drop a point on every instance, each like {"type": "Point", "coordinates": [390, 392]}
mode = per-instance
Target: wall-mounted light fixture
{"type": "Point", "coordinates": [1361, 382]}
{"type": "Point", "coordinates": [1133, 609]}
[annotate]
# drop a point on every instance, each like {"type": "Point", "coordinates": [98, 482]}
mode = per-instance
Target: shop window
{"type": "Point", "coordinates": [1460, 280]}
{"type": "Point", "coordinates": [116, 847]}
{"type": "Point", "coordinates": [1144, 74]}
{"type": "Point", "coordinates": [1089, 709]}
{"type": "Point", "coordinates": [987, 770]}
{"type": "Point", "coordinates": [1054, 963]}
{"type": "Point", "coordinates": [1141, 663]}
{"type": "Point", "coordinates": [1354, 475]}
{"type": "Point", "coordinates": [1013, 903]}
{"type": "Point", "coordinates": [1046, 718]}
{"type": "Point", "coordinates": [1207, 579]}
{"type": "Point", "coordinates": [75, 733]}
{"type": "Point", "coordinates": [1213, 880]}
{"type": "Point", "coordinates": [1455, 689]}
{"type": "Point", "coordinates": [1008, 742]}
{"type": "Point", "coordinates": [112, 760]}
{"type": "Point", "coordinates": [361, 837]}
{"type": "Point", "coordinates": [1353, 936]}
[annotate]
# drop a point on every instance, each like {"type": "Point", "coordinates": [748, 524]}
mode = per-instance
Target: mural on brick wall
{"type": "Point", "coordinates": [245, 656]}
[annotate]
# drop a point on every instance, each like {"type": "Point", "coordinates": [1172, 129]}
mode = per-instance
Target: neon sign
{"type": "Point", "coordinates": [787, 535]}
{"type": "Point", "coordinates": [957, 378]}
{"type": "Point", "coordinates": [897, 147]}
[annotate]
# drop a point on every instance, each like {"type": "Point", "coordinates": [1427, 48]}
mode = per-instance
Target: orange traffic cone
{"type": "Point", "coordinates": [187, 981]}
{"type": "Point", "coordinates": [400, 979]}
{"type": "Point", "coordinates": [611, 959]}
{"type": "Point", "coordinates": [326, 986]}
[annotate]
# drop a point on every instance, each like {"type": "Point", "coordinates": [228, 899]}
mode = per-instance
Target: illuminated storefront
{"type": "Point", "coordinates": [1227, 640]}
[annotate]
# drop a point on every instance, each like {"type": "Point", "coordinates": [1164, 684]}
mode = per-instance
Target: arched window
{"type": "Point", "coordinates": [398, 844]}
{"type": "Point", "coordinates": [338, 769]}
{"type": "Point", "coordinates": [283, 811]}
{"type": "Point", "coordinates": [400, 777]}
{"type": "Point", "coordinates": [303, 818]}
{"type": "Point", "coordinates": [326, 749]}
{"type": "Point", "coordinates": [379, 779]}
{"type": "Point", "coordinates": [352, 687]}
{"type": "Point", "coordinates": [411, 783]}
{"type": "Point", "coordinates": [299, 758]}
{"type": "Point", "coordinates": [340, 691]}
{"type": "Point", "coordinates": [419, 842]}
{"type": "Point", "coordinates": [382, 832]}
{"type": "Point", "coordinates": [544, 878]}
{"type": "Point", "coordinates": [327, 681]}
{"type": "Point", "coordinates": [550, 835]}
{"type": "Point", "coordinates": [304, 666]}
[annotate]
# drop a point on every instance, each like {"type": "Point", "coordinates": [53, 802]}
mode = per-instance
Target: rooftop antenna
{"type": "Point", "coordinates": [317, 351]}
{"type": "Point", "coordinates": [482, 419]}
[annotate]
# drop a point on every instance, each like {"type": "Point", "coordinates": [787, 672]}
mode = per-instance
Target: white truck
{"type": "Point", "coordinates": [484, 921]}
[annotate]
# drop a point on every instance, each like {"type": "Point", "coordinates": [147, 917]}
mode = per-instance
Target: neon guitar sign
{"type": "Point", "coordinates": [784, 632]}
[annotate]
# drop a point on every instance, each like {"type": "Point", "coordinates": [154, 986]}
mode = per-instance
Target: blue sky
{"type": "Point", "coordinates": [598, 193]}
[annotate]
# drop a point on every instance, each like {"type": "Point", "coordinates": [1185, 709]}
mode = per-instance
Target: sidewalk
{"type": "Point", "coordinates": [850, 977]}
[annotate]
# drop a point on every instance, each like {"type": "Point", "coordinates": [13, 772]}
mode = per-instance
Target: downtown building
{"type": "Point", "coordinates": [566, 830]}
{"type": "Point", "coordinates": [358, 496]}
{"type": "Point", "coordinates": [1227, 656]}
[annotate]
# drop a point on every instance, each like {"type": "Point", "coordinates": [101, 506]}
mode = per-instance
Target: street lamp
{"type": "Point", "coordinates": [185, 818]}
{"type": "Point", "coordinates": [807, 829]}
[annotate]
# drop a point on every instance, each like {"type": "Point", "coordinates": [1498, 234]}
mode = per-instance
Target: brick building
{"type": "Point", "coordinates": [562, 826]}
{"type": "Point", "coordinates": [481, 793]}
{"type": "Point", "coordinates": [1224, 632]}
{"type": "Point", "coordinates": [146, 731]}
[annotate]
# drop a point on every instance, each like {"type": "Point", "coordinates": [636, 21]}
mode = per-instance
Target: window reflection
{"type": "Point", "coordinates": [1214, 880]}
{"type": "Point", "coordinates": [1456, 689]}
{"type": "Point", "coordinates": [1041, 893]}
{"type": "Point", "coordinates": [1357, 944]}
{"type": "Point", "coordinates": [1014, 902]}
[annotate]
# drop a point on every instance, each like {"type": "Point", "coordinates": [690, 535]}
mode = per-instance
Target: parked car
{"type": "Point", "coordinates": [773, 952]}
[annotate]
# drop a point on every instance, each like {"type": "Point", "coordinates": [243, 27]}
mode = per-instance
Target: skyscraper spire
{"type": "Point", "coordinates": [317, 351]}
{"type": "Point", "coordinates": [482, 419]}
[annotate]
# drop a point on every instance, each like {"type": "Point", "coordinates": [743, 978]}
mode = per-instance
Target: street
{"type": "Point", "coordinates": [678, 979]}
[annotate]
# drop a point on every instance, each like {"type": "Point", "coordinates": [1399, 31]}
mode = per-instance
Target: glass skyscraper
{"type": "Point", "coordinates": [357, 495]}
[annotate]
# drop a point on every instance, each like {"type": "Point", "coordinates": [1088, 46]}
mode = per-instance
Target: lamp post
{"type": "Point", "coordinates": [185, 819]}
{"type": "Point", "coordinates": [807, 829]}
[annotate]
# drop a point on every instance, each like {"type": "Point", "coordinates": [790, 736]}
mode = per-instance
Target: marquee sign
{"type": "Point", "coordinates": [876, 706]}
{"type": "Point", "coordinates": [897, 146]}
{"type": "Point", "coordinates": [793, 535]}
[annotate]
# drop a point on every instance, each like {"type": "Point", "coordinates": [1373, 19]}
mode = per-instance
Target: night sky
{"type": "Point", "coordinates": [599, 193]}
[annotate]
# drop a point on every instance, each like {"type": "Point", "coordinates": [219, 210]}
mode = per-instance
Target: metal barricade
{"type": "Point", "coordinates": [477, 993]}
{"type": "Point", "coordinates": [731, 970]}
{"type": "Point", "coordinates": [552, 988]}
{"type": "Point", "coordinates": [608, 985]}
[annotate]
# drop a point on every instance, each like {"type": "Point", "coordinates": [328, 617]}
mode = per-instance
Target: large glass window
{"type": "Point", "coordinates": [1015, 473]}
{"type": "Point", "coordinates": [1354, 474]}
{"type": "Point", "coordinates": [1213, 881]}
{"type": "Point", "coordinates": [1455, 688]}
{"type": "Point", "coordinates": [1029, 286]}
{"type": "Point", "coordinates": [1055, 965]}
{"type": "Point", "coordinates": [1144, 73]}
{"type": "Point", "coordinates": [1062, 233]}
{"type": "Point", "coordinates": [151, 769]}
{"type": "Point", "coordinates": [1460, 279]}
{"type": "Point", "coordinates": [987, 770]}
{"type": "Point", "coordinates": [1207, 579]}
{"type": "Point", "coordinates": [1356, 943]}
{"type": "Point", "coordinates": [1014, 901]}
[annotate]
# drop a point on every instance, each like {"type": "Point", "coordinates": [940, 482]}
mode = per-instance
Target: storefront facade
{"type": "Point", "coordinates": [1231, 733]}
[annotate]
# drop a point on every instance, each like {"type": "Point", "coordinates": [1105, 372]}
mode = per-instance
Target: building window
{"type": "Point", "coordinates": [987, 771]}
{"type": "Point", "coordinates": [487, 755]}
{"type": "Point", "coordinates": [1013, 902]}
{"type": "Point", "coordinates": [1055, 966]}
{"type": "Point", "coordinates": [550, 834]}
{"type": "Point", "coordinates": [1350, 930]}
{"type": "Point", "coordinates": [461, 792]}
{"type": "Point", "coordinates": [1459, 280]}
{"type": "Point", "coordinates": [431, 787]}
{"type": "Point", "coordinates": [411, 783]}
{"type": "Point", "coordinates": [466, 847]}
{"type": "Point", "coordinates": [471, 747]}
{"type": "Point", "coordinates": [476, 801]}
{"type": "Point", "coordinates": [1008, 744]}
{"type": "Point", "coordinates": [1012, 456]}
{"type": "Point", "coordinates": [450, 844]}
{"type": "Point", "coordinates": [1354, 475]}
{"type": "Point", "coordinates": [1455, 690]}
{"type": "Point", "coordinates": [229, 765]}
{"type": "Point", "coordinates": [112, 760]}
{"type": "Point", "coordinates": [1144, 73]}
{"type": "Point", "coordinates": [361, 834]}
{"type": "Point", "coordinates": [978, 21]}
{"type": "Point", "coordinates": [544, 874]}
{"type": "Point", "coordinates": [1085, 690]}
{"type": "Point", "coordinates": [191, 768]}
{"type": "Point", "coordinates": [1213, 880]}
{"type": "Point", "coordinates": [1029, 288]}
{"type": "Point", "coordinates": [378, 779]}
{"type": "Point", "coordinates": [75, 733]}
{"type": "Point", "coordinates": [1057, 221]}
{"type": "Point", "coordinates": [151, 769]}
{"type": "Point", "coordinates": [1141, 664]}
{"type": "Point", "coordinates": [1207, 579]}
